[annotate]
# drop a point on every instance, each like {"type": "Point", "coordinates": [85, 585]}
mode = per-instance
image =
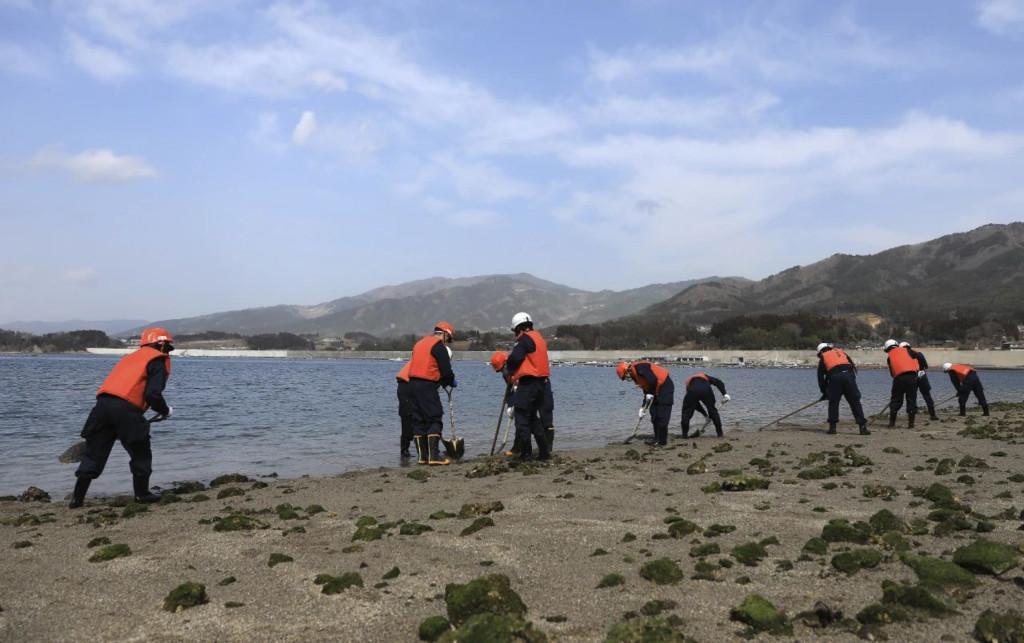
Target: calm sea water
{"type": "Point", "coordinates": [296, 417]}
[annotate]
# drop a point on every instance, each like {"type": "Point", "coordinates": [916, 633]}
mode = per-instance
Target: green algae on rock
{"type": "Point", "coordinates": [662, 571]}
{"type": "Point", "coordinates": [916, 597]}
{"type": "Point", "coordinates": [816, 545]}
{"type": "Point", "coordinates": [993, 627]}
{"type": "Point", "coordinates": [497, 628]}
{"type": "Point", "coordinates": [945, 467]}
{"type": "Point", "coordinates": [432, 627]}
{"type": "Point", "coordinates": [750, 554]}
{"type": "Point", "coordinates": [338, 584]}
{"type": "Point", "coordinates": [651, 629]}
{"type": "Point", "coordinates": [885, 492]}
{"type": "Point", "coordinates": [277, 559]}
{"type": "Point", "coordinates": [286, 512]}
{"type": "Point", "coordinates": [744, 483]}
{"type": "Point", "coordinates": [394, 572]}
{"type": "Point", "coordinates": [21, 544]}
{"type": "Point", "coordinates": [657, 606]}
{"type": "Point", "coordinates": [97, 541]}
{"type": "Point", "coordinates": [885, 520]}
{"type": "Point", "coordinates": [414, 529]}
{"type": "Point", "coordinates": [229, 478]}
{"type": "Point", "coordinates": [237, 522]}
{"type": "Point", "coordinates": [224, 582]}
{"type": "Point", "coordinates": [492, 593]}
{"type": "Point", "coordinates": [758, 613]}
{"type": "Point", "coordinates": [477, 525]}
{"type": "Point", "coordinates": [851, 562]}
{"type": "Point", "coordinates": [706, 549]}
{"type": "Point", "coordinates": [986, 557]}
{"type": "Point", "coordinates": [471, 509]}
{"type": "Point", "coordinates": [681, 528]}
{"type": "Point", "coordinates": [611, 580]}
{"type": "Point", "coordinates": [419, 475]}
{"type": "Point", "coordinates": [441, 515]}
{"type": "Point", "coordinates": [110, 552]}
{"type": "Point", "coordinates": [185, 596]}
{"type": "Point", "coordinates": [840, 530]}
{"type": "Point", "coordinates": [938, 573]}
{"type": "Point", "coordinates": [368, 533]}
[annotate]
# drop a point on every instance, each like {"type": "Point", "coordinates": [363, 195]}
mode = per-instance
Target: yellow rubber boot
{"type": "Point", "coordinates": [421, 449]}
{"type": "Point", "coordinates": [435, 454]}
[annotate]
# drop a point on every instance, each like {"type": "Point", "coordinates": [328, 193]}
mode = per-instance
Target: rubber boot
{"type": "Point", "coordinates": [142, 492]}
{"type": "Point", "coordinates": [864, 429]}
{"type": "Point", "coordinates": [910, 420]}
{"type": "Point", "coordinates": [403, 451]}
{"type": "Point", "coordinates": [963, 410]}
{"type": "Point", "coordinates": [550, 434]}
{"type": "Point", "coordinates": [78, 496]}
{"type": "Point", "coordinates": [892, 420]}
{"type": "Point", "coordinates": [435, 454]}
{"type": "Point", "coordinates": [931, 412]}
{"type": "Point", "coordinates": [421, 449]}
{"type": "Point", "coordinates": [831, 428]}
{"type": "Point", "coordinates": [984, 410]}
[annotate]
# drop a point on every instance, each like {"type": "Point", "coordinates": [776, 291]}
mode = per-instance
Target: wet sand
{"type": "Point", "coordinates": [562, 528]}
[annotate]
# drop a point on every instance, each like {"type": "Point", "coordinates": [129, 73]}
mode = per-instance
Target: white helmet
{"type": "Point", "coordinates": [520, 318]}
{"type": "Point", "coordinates": [822, 346]}
{"type": "Point", "coordinates": [889, 344]}
{"type": "Point", "coordinates": [904, 344]}
{"type": "Point", "coordinates": [946, 367]}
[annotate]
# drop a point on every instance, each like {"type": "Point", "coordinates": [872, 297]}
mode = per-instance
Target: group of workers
{"type": "Point", "coordinates": [837, 378]}
{"type": "Point", "coordinates": [137, 381]}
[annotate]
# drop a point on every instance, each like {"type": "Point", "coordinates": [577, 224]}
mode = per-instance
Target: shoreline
{"type": "Point", "coordinates": [561, 529]}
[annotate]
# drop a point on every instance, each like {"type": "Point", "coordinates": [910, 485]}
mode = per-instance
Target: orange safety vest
{"type": "Point", "coordinates": [901, 362]}
{"type": "Point", "coordinates": [962, 371]}
{"type": "Point", "coordinates": [128, 378]}
{"type": "Point", "coordinates": [698, 376]}
{"type": "Point", "coordinates": [660, 374]}
{"type": "Point", "coordinates": [403, 375]}
{"type": "Point", "coordinates": [423, 365]}
{"type": "Point", "coordinates": [835, 357]}
{"type": "Point", "coordinates": [536, 363]}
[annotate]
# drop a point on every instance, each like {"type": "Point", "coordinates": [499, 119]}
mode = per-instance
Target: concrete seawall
{"type": "Point", "coordinates": [784, 358]}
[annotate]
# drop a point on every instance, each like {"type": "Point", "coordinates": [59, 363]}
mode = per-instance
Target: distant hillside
{"type": "Point", "coordinates": [109, 326]}
{"type": "Point", "coordinates": [978, 272]}
{"type": "Point", "coordinates": [482, 303]}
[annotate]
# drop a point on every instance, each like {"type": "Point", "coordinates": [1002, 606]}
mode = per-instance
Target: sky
{"type": "Point", "coordinates": [167, 159]}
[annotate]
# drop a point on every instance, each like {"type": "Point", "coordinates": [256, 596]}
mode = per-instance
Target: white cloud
{"type": "Point", "coordinates": [97, 165]}
{"type": "Point", "coordinates": [80, 275]}
{"type": "Point", "coordinates": [16, 59]}
{"type": "Point", "coordinates": [132, 22]}
{"type": "Point", "coordinates": [99, 61]}
{"type": "Point", "coordinates": [1001, 16]}
{"type": "Point", "coordinates": [304, 128]}
{"type": "Point", "coordinates": [328, 81]}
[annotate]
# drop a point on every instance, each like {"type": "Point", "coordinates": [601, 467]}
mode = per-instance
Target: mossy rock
{"type": "Point", "coordinates": [629, 537]}
{"type": "Point", "coordinates": [419, 475]}
{"type": "Point", "coordinates": [885, 520]}
{"type": "Point", "coordinates": [703, 570]}
{"type": "Point", "coordinates": [286, 512]}
{"type": "Point", "coordinates": [230, 478]}
{"type": "Point", "coordinates": [840, 530]}
{"type": "Point", "coordinates": [238, 522]}
{"type": "Point", "coordinates": [394, 572]}
{"type": "Point", "coordinates": [993, 627]}
{"type": "Point", "coordinates": [492, 593]}
{"type": "Point", "coordinates": [945, 467]}
{"type": "Point", "coordinates": [338, 584]}
{"type": "Point", "coordinates": [191, 486]}
{"type": "Point", "coordinates": [939, 494]}
{"type": "Point", "coordinates": [134, 509]}
{"type": "Point", "coordinates": [938, 573]}
{"type": "Point", "coordinates": [471, 509]}
{"type": "Point", "coordinates": [368, 533]}
{"type": "Point", "coordinates": [697, 468]}
{"type": "Point", "coordinates": [883, 614]}
{"type": "Point", "coordinates": [441, 515]}
{"type": "Point", "coordinates": [820, 473]}
{"type": "Point", "coordinates": [917, 597]}
{"type": "Point", "coordinates": [851, 562]}
{"type": "Point", "coordinates": [986, 557]}
{"type": "Point", "coordinates": [894, 541]}
{"type": "Point", "coordinates": [229, 580]}
{"type": "Point", "coordinates": [366, 521]}
{"type": "Point", "coordinates": [494, 628]}
{"type": "Point", "coordinates": [97, 541]}
{"type": "Point", "coordinates": [744, 483]}
{"type": "Point", "coordinates": [168, 498]}
{"type": "Point", "coordinates": [816, 546]}
{"type": "Point", "coordinates": [312, 510]}
{"type": "Point", "coordinates": [681, 528]}
{"type": "Point", "coordinates": [414, 529]}
{"type": "Point", "coordinates": [706, 549]}
{"type": "Point", "coordinates": [717, 530]}
{"type": "Point", "coordinates": [477, 525]}
{"type": "Point", "coordinates": [885, 492]}
{"type": "Point", "coordinates": [110, 552]}
{"type": "Point", "coordinates": [749, 554]}
{"type": "Point", "coordinates": [651, 629]}
{"type": "Point", "coordinates": [277, 559]}
{"type": "Point", "coordinates": [662, 571]}
{"type": "Point", "coordinates": [611, 580]}
{"type": "Point", "coordinates": [971, 462]}
{"type": "Point", "coordinates": [432, 627]}
{"type": "Point", "coordinates": [657, 606]}
{"type": "Point", "coordinates": [233, 605]}
{"type": "Point", "coordinates": [185, 596]}
{"type": "Point", "coordinates": [491, 466]}
{"type": "Point", "coordinates": [21, 544]}
{"type": "Point", "coordinates": [724, 447]}
{"type": "Point", "coordinates": [758, 613]}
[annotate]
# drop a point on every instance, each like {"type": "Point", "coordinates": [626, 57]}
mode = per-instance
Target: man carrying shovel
{"type": "Point", "coordinates": [134, 385]}
{"type": "Point", "coordinates": [659, 391]}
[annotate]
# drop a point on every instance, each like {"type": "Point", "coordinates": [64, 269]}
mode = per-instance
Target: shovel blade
{"type": "Point", "coordinates": [73, 453]}
{"type": "Point", "coordinates": [455, 448]}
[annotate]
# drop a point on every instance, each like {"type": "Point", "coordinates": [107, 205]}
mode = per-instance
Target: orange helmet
{"type": "Point", "coordinates": [498, 359]}
{"type": "Point", "coordinates": [446, 327]}
{"type": "Point", "coordinates": [156, 334]}
{"type": "Point", "coordinates": [621, 370]}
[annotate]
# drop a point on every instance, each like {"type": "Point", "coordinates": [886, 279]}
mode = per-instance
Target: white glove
{"type": "Point", "coordinates": [726, 398]}
{"type": "Point", "coordinates": [641, 412]}
{"type": "Point", "coordinates": [510, 411]}
{"type": "Point", "coordinates": [170, 411]}
{"type": "Point", "coordinates": [648, 399]}
{"type": "Point", "coordinates": [921, 374]}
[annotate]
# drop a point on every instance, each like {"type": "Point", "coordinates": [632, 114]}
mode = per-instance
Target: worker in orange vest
{"type": "Point", "coordinates": [966, 381]}
{"type": "Point", "coordinates": [924, 387]}
{"type": "Point", "coordinates": [430, 368]}
{"type": "Point", "coordinates": [656, 383]}
{"type": "Point", "coordinates": [903, 367]}
{"type": "Point", "coordinates": [698, 392]}
{"type": "Point", "coordinates": [528, 366]}
{"type": "Point", "coordinates": [404, 411]}
{"type": "Point", "coordinates": [135, 384]}
{"type": "Point", "coordinates": [837, 378]}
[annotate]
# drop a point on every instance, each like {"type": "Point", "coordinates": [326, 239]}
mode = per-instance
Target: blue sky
{"type": "Point", "coordinates": [163, 159]}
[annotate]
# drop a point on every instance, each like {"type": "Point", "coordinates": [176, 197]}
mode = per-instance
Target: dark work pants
{"type": "Point", "coordinates": [114, 419]}
{"type": "Point", "coordinates": [903, 387]}
{"type": "Point", "coordinates": [971, 384]}
{"type": "Point", "coordinates": [843, 384]}
{"type": "Point", "coordinates": [700, 392]}
{"type": "Point", "coordinates": [528, 402]}
{"type": "Point", "coordinates": [924, 387]}
{"type": "Point", "coordinates": [547, 411]}
{"type": "Point", "coordinates": [661, 411]}
{"type": "Point", "coordinates": [425, 410]}
{"type": "Point", "coordinates": [405, 414]}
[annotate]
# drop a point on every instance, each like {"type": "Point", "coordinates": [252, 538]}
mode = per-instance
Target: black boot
{"type": "Point", "coordinates": [78, 497]}
{"type": "Point", "coordinates": [984, 410]}
{"type": "Point", "coordinates": [421, 449]}
{"type": "Point", "coordinates": [831, 428]}
{"type": "Point", "coordinates": [910, 420]}
{"type": "Point", "coordinates": [864, 429]}
{"type": "Point", "coordinates": [142, 492]}
{"type": "Point", "coordinates": [931, 412]}
{"type": "Point", "coordinates": [435, 454]}
{"type": "Point", "coordinates": [549, 433]}
{"type": "Point", "coordinates": [892, 420]}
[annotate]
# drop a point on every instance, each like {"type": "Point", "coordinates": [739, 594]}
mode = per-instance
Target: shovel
{"type": "Point", "coordinates": [643, 411]}
{"type": "Point", "coordinates": [75, 452]}
{"type": "Point", "coordinates": [700, 431]}
{"type": "Point", "coordinates": [455, 447]}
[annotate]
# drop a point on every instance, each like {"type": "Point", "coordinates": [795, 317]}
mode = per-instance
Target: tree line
{"type": "Point", "coordinates": [66, 342]}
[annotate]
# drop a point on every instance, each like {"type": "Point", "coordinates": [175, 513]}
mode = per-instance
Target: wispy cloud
{"type": "Point", "coordinates": [102, 62]}
{"type": "Point", "coordinates": [17, 59]}
{"type": "Point", "coordinates": [97, 165]}
{"type": "Point", "coordinates": [304, 128]}
{"type": "Point", "coordinates": [1002, 16]}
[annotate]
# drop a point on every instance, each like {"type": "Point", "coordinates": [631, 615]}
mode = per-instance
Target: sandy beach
{"type": "Point", "coordinates": [720, 519]}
